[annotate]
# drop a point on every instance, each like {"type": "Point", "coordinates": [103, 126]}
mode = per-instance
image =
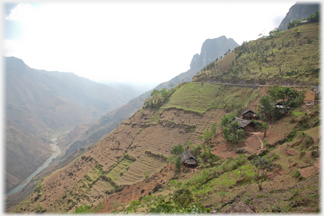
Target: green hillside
{"type": "Point", "coordinates": [287, 57]}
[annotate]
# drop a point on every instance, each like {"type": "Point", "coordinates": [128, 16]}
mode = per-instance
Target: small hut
{"type": "Point", "coordinates": [188, 159]}
{"type": "Point", "coordinates": [249, 114]}
{"type": "Point", "coordinates": [246, 125]}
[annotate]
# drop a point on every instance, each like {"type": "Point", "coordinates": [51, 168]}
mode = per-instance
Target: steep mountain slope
{"type": "Point", "coordinates": [24, 152]}
{"type": "Point", "coordinates": [288, 57]}
{"type": "Point", "coordinates": [298, 11]}
{"type": "Point", "coordinates": [211, 49]}
{"type": "Point", "coordinates": [138, 147]}
{"type": "Point", "coordinates": [40, 103]}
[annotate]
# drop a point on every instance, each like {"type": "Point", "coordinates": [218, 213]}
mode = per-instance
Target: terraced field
{"type": "Point", "coordinates": [118, 171]}
{"type": "Point", "coordinates": [199, 97]}
{"type": "Point", "coordinates": [157, 139]}
{"type": "Point", "coordinates": [145, 166]}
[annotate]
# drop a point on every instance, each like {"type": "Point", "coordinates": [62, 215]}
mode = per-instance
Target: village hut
{"type": "Point", "coordinates": [249, 114]}
{"type": "Point", "coordinates": [246, 125]}
{"type": "Point", "coordinates": [278, 105]}
{"type": "Point", "coordinates": [188, 159]}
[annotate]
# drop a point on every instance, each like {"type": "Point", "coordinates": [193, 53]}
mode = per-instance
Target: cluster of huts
{"type": "Point", "coordinates": [244, 123]}
{"type": "Point", "coordinates": [190, 161]}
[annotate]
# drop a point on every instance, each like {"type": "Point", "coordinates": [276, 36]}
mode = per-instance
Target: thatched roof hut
{"type": "Point", "coordinates": [246, 125]}
{"type": "Point", "coordinates": [249, 114]}
{"type": "Point", "coordinates": [188, 159]}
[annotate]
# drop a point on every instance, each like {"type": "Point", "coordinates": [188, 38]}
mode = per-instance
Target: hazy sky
{"type": "Point", "coordinates": [129, 41]}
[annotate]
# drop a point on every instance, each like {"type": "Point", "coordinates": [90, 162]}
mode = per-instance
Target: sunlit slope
{"type": "Point", "coordinates": [288, 57]}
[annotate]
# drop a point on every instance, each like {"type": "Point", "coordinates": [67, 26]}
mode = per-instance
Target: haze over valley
{"type": "Point", "coordinates": [114, 103]}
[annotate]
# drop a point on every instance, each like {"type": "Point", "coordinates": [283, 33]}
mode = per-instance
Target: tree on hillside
{"type": "Point", "coordinates": [154, 92]}
{"type": "Point", "coordinates": [157, 98]}
{"type": "Point", "coordinates": [164, 93]}
{"type": "Point", "coordinates": [314, 17]}
{"type": "Point", "coordinates": [266, 108]}
{"type": "Point", "coordinates": [293, 23]}
{"type": "Point", "coordinates": [226, 120]}
{"type": "Point", "coordinates": [154, 101]}
{"type": "Point", "coordinates": [289, 97]}
{"type": "Point", "coordinates": [261, 164]}
{"type": "Point", "coordinates": [230, 128]}
{"type": "Point", "coordinates": [265, 127]}
{"type": "Point", "coordinates": [177, 149]}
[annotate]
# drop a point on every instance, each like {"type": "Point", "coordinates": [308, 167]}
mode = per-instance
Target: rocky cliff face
{"type": "Point", "coordinates": [212, 49]}
{"type": "Point", "coordinates": [298, 11]}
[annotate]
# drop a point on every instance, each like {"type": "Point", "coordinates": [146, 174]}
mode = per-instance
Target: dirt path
{"type": "Point", "coordinates": [257, 134]}
{"type": "Point", "coordinates": [260, 141]}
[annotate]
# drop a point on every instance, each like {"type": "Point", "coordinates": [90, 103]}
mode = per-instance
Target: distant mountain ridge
{"type": "Point", "coordinates": [58, 99]}
{"type": "Point", "coordinates": [40, 103]}
{"type": "Point", "coordinates": [298, 11]}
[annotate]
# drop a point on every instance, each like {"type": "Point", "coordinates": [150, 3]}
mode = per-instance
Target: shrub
{"type": "Point", "coordinates": [83, 209]}
{"type": "Point", "coordinates": [183, 197]}
{"type": "Point", "coordinates": [177, 149]}
{"type": "Point", "coordinates": [296, 174]}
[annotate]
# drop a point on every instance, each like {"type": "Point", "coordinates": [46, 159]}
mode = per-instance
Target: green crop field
{"type": "Point", "coordinates": [118, 171]}
{"type": "Point", "coordinates": [199, 97]}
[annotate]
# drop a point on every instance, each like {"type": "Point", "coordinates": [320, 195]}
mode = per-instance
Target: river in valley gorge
{"type": "Point", "coordinates": [57, 151]}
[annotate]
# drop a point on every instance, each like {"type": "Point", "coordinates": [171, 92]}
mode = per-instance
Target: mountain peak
{"type": "Point", "coordinates": [212, 49]}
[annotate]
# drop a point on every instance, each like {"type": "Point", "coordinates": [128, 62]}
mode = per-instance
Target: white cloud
{"type": "Point", "coordinates": [22, 12]}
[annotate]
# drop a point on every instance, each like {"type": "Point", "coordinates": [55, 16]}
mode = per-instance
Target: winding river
{"type": "Point", "coordinates": [57, 151]}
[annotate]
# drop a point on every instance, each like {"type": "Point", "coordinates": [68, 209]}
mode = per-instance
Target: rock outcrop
{"type": "Point", "coordinates": [298, 11]}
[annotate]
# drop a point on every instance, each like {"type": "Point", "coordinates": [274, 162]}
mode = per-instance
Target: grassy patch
{"type": "Point", "coordinates": [199, 98]}
{"type": "Point", "coordinates": [297, 112]}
